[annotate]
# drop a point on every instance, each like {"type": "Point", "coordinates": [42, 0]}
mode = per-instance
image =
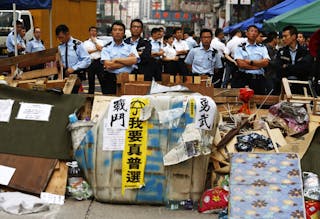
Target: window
{"type": "Point", "coordinates": [26, 22]}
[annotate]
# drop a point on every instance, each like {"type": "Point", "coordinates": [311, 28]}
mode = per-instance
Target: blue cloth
{"type": "Point", "coordinates": [10, 42]}
{"type": "Point", "coordinates": [78, 57]}
{"type": "Point", "coordinates": [252, 52]}
{"type": "Point", "coordinates": [280, 8]}
{"type": "Point", "coordinates": [203, 61]}
{"type": "Point", "coordinates": [123, 50]}
{"type": "Point", "coordinates": [35, 46]}
{"type": "Point", "coordinates": [26, 4]}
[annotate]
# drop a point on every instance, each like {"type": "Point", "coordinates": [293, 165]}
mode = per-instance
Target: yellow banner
{"type": "Point", "coordinates": [192, 107]}
{"type": "Point", "coordinates": [135, 151]}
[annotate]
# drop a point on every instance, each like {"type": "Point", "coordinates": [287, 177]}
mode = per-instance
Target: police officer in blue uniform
{"type": "Point", "coordinates": [35, 45]}
{"type": "Point", "coordinates": [204, 60]}
{"type": "Point", "coordinates": [143, 47]}
{"type": "Point", "coordinates": [252, 58]}
{"type": "Point", "coordinates": [118, 56]}
{"type": "Point", "coordinates": [74, 56]}
{"type": "Point", "coordinates": [10, 42]}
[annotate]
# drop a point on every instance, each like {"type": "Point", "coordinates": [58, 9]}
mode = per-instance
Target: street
{"type": "Point", "coordinates": [93, 209]}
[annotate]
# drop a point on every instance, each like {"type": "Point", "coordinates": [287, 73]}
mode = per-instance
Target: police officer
{"type": "Point", "coordinates": [143, 47]}
{"type": "Point", "coordinates": [118, 56]}
{"type": "Point", "coordinates": [10, 42]}
{"type": "Point", "coordinates": [35, 45]}
{"type": "Point", "coordinates": [75, 58]}
{"type": "Point", "coordinates": [94, 47]}
{"type": "Point", "coordinates": [251, 59]}
{"type": "Point", "coordinates": [204, 59]}
{"type": "Point", "coordinates": [155, 68]}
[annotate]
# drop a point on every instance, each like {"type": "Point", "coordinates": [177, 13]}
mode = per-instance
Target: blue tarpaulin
{"type": "Point", "coordinates": [26, 4]}
{"type": "Point", "coordinates": [242, 25]}
{"type": "Point", "coordinates": [280, 8]}
{"type": "Point", "coordinates": [259, 17]}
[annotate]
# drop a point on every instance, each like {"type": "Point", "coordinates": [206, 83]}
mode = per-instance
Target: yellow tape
{"type": "Point", "coordinates": [192, 107]}
{"type": "Point", "coordinates": [135, 151]}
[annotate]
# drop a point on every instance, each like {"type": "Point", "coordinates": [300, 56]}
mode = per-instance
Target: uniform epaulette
{"type": "Point", "coordinates": [129, 43]}
{"type": "Point", "coordinates": [108, 44]}
{"type": "Point", "coordinates": [214, 51]}
{"type": "Point", "coordinates": [243, 46]}
{"type": "Point", "coordinates": [31, 40]}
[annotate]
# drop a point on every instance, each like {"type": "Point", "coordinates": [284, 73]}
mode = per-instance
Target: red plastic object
{"type": "Point", "coordinates": [213, 200]}
{"type": "Point", "coordinates": [245, 94]}
{"type": "Point", "coordinates": [312, 209]}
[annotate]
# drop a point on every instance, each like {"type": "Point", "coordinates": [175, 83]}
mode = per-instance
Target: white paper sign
{"type": "Point", "coordinates": [34, 111]}
{"type": "Point", "coordinates": [52, 198]}
{"type": "Point", "coordinates": [205, 112]}
{"type": "Point", "coordinates": [5, 110]}
{"type": "Point", "coordinates": [6, 174]}
{"type": "Point", "coordinates": [118, 115]}
{"type": "Point", "coordinates": [113, 139]}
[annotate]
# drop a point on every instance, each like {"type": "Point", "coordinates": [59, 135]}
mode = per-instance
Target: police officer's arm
{"type": "Point", "coordinates": [132, 59]}
{"type": "Point", "coordinates": [264, 62]}
{"type": "Point", "coordinates": [243, 63]}
{"type": "Point", "coordinates": [189, 59]}
{"type": "Point", "coordinates": [84, 59]}
{"type": "Point", "coordinates": [157, 54]}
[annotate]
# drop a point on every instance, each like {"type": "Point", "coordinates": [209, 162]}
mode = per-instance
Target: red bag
{"type": "Point", "coordinates": [213, 200]}
{"type": "Point", "coordinates": [245, 95]}
{"type": "Point", "coordinates": [312, 209]}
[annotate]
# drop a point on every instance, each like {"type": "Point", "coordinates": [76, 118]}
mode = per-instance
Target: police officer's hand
{"type": "Point", "coordinates": [131, 55]}
{"type": "Point", "coordinates": [99, 47]}
{"type": "Point", "coordinates": [69, 70]}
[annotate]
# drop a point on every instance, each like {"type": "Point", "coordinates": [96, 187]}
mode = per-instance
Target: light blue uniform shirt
{"type": "Point", "coordinates": [77, 59]}
{"type": "Point", "coordinates": [252, 52]}
{"type": "Point", "coordinates": [122, 50]}
{"type": "Point", "coordinates": [293, 54]}
{"type": "Point", "coordinates": [10, 41]}
{"type": "Point", "coordinates": [203, 61]}
{"type": "Point", "coordinates": [34, 46]}
{"type": "Point", "coordinates": [155, 47]}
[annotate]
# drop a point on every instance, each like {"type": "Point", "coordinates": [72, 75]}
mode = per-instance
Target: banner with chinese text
{"type": "Point", "coordinates": [135, 150]}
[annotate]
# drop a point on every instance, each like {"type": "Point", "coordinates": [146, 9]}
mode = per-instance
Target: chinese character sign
{"type": "Point", "coordinates": [119, 113]}
{"type": "Point", "coordinates": [171, 15]}
{"type": "Point", "coordinates": [135, 151]}
{"type": "Point", "coordinates": [205, 112]}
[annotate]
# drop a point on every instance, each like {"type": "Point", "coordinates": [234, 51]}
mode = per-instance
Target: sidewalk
{"type": "Point", "coordinates": [96, 210]}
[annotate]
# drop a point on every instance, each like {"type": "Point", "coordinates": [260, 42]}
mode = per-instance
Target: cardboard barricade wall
{"type": "Point", "coordinates": [166, 127]}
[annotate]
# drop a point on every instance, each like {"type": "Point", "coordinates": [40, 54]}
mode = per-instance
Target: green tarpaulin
{"type": "Point", "coordinates": [305, 19]}
{"type": "Point", "coordinates": [38, 138]}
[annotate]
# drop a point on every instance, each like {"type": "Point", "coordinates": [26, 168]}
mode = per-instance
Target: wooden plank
{"type": "Point", "coordinates": [165, 78]}
{"type": "Point", "coordinates": [39, 73]}
{"type": "Point", "coordinates": [132, 77]}
{"type": "Point", "coordinates": [286, 88]}
{"type": "Point", "coordinates": [29, 59]}
{"type": "Point", "coordinates": [99, 106]}
{"type": "Point", "coordinates": [197, 80]}
{"type": "Point", "coordinates": [71, 81]}
{"type": "Point", "coordinates": [223, 92]}
{"type": "Point", "coordinates": [188, 79]}
{"type": "Point", "coordinates": [32, 173]}
{"type": "Point", "coordinates": [58, 182]}
{"type": "Point", "coordinates": [136, 88]}
{"type": "Point", "coordinates": [140, 77]}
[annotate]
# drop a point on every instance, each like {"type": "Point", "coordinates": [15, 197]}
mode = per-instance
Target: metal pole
{"type": "Point", "coordinates": [15, 29]}
{"type": "Point", "coordinates": [50, 26]}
